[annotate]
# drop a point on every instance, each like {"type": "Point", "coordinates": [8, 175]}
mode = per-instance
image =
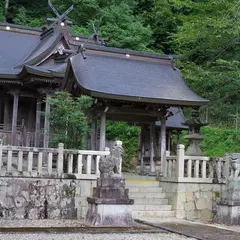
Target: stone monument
{"type": "Point", "coordinates": [110, 204]}
{"type": "Point", "coordinates": [194, 136]}
{"type": "Point", "coordinates": [228, 209]}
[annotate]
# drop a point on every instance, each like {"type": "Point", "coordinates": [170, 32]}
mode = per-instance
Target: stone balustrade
{"type": "Point", "coordinates": [49, 162]}
{"type": "Point", "coordinates": [199, 169]}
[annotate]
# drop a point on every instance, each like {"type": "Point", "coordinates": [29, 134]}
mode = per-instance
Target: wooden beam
{"type": "Point", "coordinates": [102, 132]}
{"type": "Point", "coordinates": [130, 118]}
{"type": "Point", "coordinates": [134, 111]}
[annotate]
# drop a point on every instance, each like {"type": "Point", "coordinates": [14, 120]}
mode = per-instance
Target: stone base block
{"type": "Point", "coordinates": [109, 215]}
{"type": "Point", "coordinates": [229, 215]}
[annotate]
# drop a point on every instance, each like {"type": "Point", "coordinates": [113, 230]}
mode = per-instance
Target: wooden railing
{"type": "Point", "coordinates": [181, 168]}
{"type": "Point", "coordinates": [49, 162]}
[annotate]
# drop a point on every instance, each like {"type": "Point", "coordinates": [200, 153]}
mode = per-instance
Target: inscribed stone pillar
{"type": "Point", "coordinates": [152, 163]}
{"type": "Point", "coordinates": [14, 116]}
{"type": "Point", "coordinates": [163, 140]}
{"type": "Point", "coordinates": [38, 122]}
{"type": "Point", "coordinates": [6, 113]}
{"type": "Point", "coordinates": [103, 132]}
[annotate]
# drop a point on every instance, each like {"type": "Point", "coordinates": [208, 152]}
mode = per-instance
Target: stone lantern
{"type": "Point", "coordinates": [194, 136]}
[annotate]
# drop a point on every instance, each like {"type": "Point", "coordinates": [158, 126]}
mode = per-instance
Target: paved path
{"type": "Point", "coordinates": [194, 230]}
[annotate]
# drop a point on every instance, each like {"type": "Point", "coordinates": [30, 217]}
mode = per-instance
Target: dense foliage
{"type": "Point", "coordinates": [204, 33]}
{"type": "Point", "coordinates": [219, 141]}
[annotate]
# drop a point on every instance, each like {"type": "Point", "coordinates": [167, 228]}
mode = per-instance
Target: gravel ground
{"type": "Point", "coordinates": [79, 236]}
{"type": "Point", "coordinates": [40, 223]}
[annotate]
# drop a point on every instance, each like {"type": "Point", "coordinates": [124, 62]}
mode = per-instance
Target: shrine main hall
{"type": "Point", "coordinates": [136, 87]}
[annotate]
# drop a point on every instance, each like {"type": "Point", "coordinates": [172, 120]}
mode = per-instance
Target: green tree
{"type": "Point", "coordinates": [68, 120]}
{"type": "Point", "coordinates": [1, 12]}
{"type": "Point", "coordinates": [123, 29]}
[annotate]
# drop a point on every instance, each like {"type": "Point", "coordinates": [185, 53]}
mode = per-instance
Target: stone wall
{"type": "Point", "coordinates": [31, 198]}
{"type": "Point", "coordinates": [193, 200]}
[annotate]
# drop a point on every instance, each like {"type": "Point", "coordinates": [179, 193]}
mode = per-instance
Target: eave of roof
{"type": "Point", "coordinates": [21, 27]}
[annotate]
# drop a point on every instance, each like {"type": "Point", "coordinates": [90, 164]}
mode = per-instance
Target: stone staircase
{"type": "Point", "coordinates": [149, 199]}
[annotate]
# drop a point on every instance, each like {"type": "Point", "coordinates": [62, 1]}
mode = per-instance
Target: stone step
{"type": "Point", "coordinates": [154, 214]}
{"type": "Point", "coordinates": [141, 183]}
{"type": "Point", "coordinates": [152, 207]}
{"type": "Point", "coordinates": [151, 201]}
{"type": "Point", "coordinates": [147, 195]}
{"type": "Point", "coordinates": [145, 189]}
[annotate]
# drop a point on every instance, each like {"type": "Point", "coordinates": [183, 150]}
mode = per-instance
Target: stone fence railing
{"type": "Point", "coordinates": [49, 162]}
{"type": "Point", "coordinates": [196, 169]}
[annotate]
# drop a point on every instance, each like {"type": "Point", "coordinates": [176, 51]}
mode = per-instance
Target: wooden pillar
{"type": "Point", "coordinates": [94, 132]}
{"type": "Point", "coordinates": [141, 151]}
{"type": "Point", "coordinates": [6, 113]}
{"type": "Point", "coordinates": [169, 140]}
{"type": "Point", "coordinates": [152, 163]}
{"type": "Point", "coordinates": [163, 140]}
{"type": "Point", "coordinates": [14, 117]}
{"type": "Point", "coordinates": [37, 122]}
{"type": "Point", "coordinates": [30, 118]}
{"type": "Point", "coordinates": [103, 132]}
{"type": "Point", "coordinates": [46, 122]}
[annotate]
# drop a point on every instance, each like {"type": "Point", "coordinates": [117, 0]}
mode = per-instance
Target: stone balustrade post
{"type": "Point", "coordinates": [165, 163]}
{"type": "Point", "coordinates": [180, 161]}
{"type": "Point", "coordinates": [60, 158]}
{"type": "Point", "coordinates": [97, 172]}
{"type": "Point", "coordinates": [89, 164]}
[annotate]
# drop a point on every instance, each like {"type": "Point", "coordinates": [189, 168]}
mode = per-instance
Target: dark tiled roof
{"type": "Point", "coordinates": [107, 73]}
{"type": "Point", "coordinates": [136, 80]}
{"type": "Point", "coordinates": [15, 47]}
{"type": "Point", "coordinates": [176, 120]}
